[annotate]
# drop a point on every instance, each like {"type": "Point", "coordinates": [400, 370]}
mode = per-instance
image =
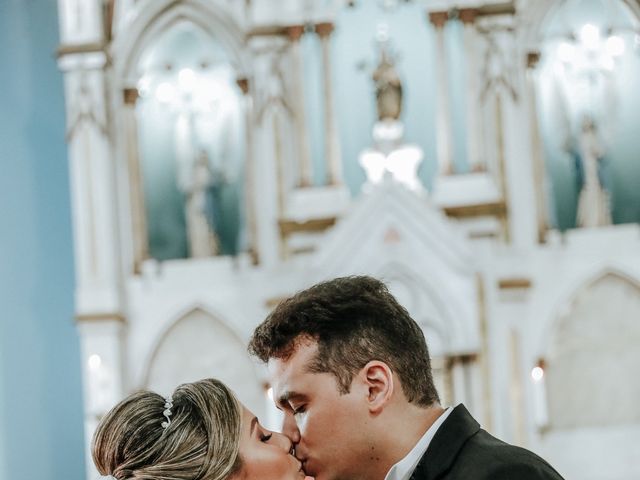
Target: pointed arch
{"type": "Point", "coordinates": [424, 303]}
{"type": "Point", "coordinates": [570, 292]}
{"type": "Point", "coordinates": [151, 18]}
{"type": "Point", "coordinates": [592, 354]}
{"type": "Point", "coordinates": [537, 12]}
{"type": "Point", "coordinates": [199, 344]}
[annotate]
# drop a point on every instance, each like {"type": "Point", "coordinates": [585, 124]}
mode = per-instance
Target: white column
{"type": "Point", "coordinates": [515, 389]}
{"type": "Point", "coordinates": [93, 189]}
{"type": "Point", "coordinates": [331, 139]}
{"type": "Point", "coordinates": [474, 376]}
{"type": "Point", "coordinates": [98, 276]}
{"type": "Point", "coordinates": [250, 178]}
{"type": "Point", "coordinates": [474, 151]}
{"type": "Point", "coordinates": [139, 234]}
{"type": "Point", "coordinates": [272, 140]}
{"type": "Point", "coordinates": [81, 22]}
{"type": "Point", "coordinates": [97, 248]}
{"type": "Point", "coordinates": [302, 135]}
{"type": "Point", "coordinates": [459, 381]}
{"type": "Point", "coordinates": [101, 349]}
{"type": "Point", "coordinates": [443, 108]}
{"type": "Point", "coordinates": [533, 59]}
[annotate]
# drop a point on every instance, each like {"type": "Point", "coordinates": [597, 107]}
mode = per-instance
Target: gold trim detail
{"type": "Point", "coordinates": [324, 29]}
{"type": "Point", "coordinates": [130, 96]}
{"type": "Point", "coordinates": [243, 84]}
{"type": "Point", "coordinates": [268, 31]}
{"type": "Point", "coordinates": [533, 58]}
{"type": "Point", "coordinates": [468, 15]}
{"type": "Point", "coordinates": [69, 49]}
{"type": "Point", "coordinates": [506, 8]}
{"type": "Point", "coordinates": [514, 284]}
{"type": "Point", "coordinates": [100, 317]}
{"type": "Point", "coordinates": [438, 19]}
{"type": "Point", "coordinates": [497, 209]}
{"type": "Point", "coordinates": [288, 227]}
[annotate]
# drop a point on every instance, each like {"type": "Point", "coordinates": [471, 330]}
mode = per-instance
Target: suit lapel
{"type": "Point", "coordinates": [446, 444]}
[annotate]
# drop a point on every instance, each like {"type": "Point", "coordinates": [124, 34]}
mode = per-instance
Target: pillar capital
{"type": "Point", "coordinates": [468, 15]}
{"type": "Point", "coordinates": [533, 58]}
{"type": "Point", "coordinates": [324, 29]}
{"type": "Point", "coordinates": [294, 32]}
{"type": "Point", "coordinates": [243, 83]}
{"type": "Point", "coordinates": [130, 95]}
{"type": "Point", "coordinates": [438, 19]}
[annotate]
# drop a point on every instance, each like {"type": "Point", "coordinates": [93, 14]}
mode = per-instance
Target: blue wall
{"type": "Point", "coordinates": [41, 430]}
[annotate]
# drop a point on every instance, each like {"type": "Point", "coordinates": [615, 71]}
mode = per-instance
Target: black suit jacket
{"type": "Point", "coordinates": [461, 450]}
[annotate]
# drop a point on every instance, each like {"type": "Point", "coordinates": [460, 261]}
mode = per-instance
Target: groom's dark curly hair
{"type": "Point", "coordinates": [354, 320]}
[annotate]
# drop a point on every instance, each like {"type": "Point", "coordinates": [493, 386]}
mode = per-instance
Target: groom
{"type": "Point", "coordinates": [350, 370]}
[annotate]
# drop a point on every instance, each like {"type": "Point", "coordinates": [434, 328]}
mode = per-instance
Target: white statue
{"type": "Point", "coordinates": [202, 240]}
{"type": "Point", "coordinates": [593, 202]}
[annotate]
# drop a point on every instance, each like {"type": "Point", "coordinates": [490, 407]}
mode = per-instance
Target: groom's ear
{"type": "Point", "coordinates": [378, 379]}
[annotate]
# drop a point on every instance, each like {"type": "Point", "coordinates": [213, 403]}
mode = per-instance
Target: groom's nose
{"type": "Point", "coordinates": [290, 429]}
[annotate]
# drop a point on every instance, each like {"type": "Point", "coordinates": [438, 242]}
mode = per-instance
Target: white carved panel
{"type": "Point", "coordinates": [199, 346]}
{"type": "Point", "coordinates": [593, 363]}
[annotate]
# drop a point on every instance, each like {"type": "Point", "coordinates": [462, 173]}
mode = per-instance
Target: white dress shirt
{"type": "Point", "coordinates": [405, 467]}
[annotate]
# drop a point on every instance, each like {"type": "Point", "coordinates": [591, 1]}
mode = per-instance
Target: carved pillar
{"type": "Point", "coordinates": [136, 192]}
{"type": "Point", "coordinates": [250, 180]}
{"type": "Point", "coordinates": [331, 139]}
{"type": "Point", "coordinates": [443, 108]}
{"type": "Point", "coordinates": [539, 174]}
{"type": "Point", "coordinates": [82, 22]}
{"type": "Point", "coordinates": [458, 375]}
{"type": "Point", "coordinates": [474, 151]}
{"type": "Point", "coordinates": [273, 120]}
{"type": "Point", "coordinates": [516, 389]}
{"type": "Point", "coordinates": [97, 252]}
{"type": "Point", "coordinates": [303, 146]}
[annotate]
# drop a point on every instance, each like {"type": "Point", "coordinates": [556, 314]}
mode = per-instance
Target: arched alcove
{"type": "Point", "coordinates": [592, 361]}
{"type": "Point", "coordinates": [197, 346]}
{"type": "Point", "coordinates": [191, 145]}
{"type": "Point", "coordinates": [427, 307]}
{"type": "Point", "coordinates": [586, 108]}
{"type": "Point", "coordinates": [424, 306]}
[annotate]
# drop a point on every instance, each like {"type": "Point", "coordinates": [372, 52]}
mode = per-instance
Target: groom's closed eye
{"type": "Point", "coordinates": [291, 401]}
{"type": "Point", "coordinates": [297, 409]}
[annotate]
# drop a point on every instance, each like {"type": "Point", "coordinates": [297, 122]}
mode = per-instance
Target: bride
{"type": "Point", "coordinates": [201, 432]}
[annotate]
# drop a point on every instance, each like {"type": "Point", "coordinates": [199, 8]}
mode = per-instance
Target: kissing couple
{"type": "Point", "coordinates": [350, 370]}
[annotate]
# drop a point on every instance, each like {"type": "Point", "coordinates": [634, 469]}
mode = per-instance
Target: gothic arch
{"type": "Point", "coordinates": [154, 17]}
{"type": "Point", "coordinates": [197, 344]}
{"type": "Point", "coordinates": [591, 342]}
{"type": "Point", "coordinates": [447, 325]}
{"type": "Point", "coordinates": [537, 12]}
{"type": "Point", "coordinates": [568, 294]}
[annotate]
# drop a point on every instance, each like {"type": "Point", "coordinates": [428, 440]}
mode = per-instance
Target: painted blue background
{"type": "Point", "coordinates": [41, 430]}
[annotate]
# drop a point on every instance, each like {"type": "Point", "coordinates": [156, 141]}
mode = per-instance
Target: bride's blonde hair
{"type": "Point", "coordinates": [201, 442]}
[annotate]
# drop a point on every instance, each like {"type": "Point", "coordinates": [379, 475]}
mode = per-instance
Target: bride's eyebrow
{"type": "Point", "coordinates": [254, 422]}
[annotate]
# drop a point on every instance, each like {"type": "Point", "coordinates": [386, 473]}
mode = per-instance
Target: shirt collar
{"type": "Point", "coordinates": [405, 467]}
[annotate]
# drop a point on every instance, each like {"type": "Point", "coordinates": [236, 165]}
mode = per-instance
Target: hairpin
{"type": "Point", "coordinates": [167, 412]}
